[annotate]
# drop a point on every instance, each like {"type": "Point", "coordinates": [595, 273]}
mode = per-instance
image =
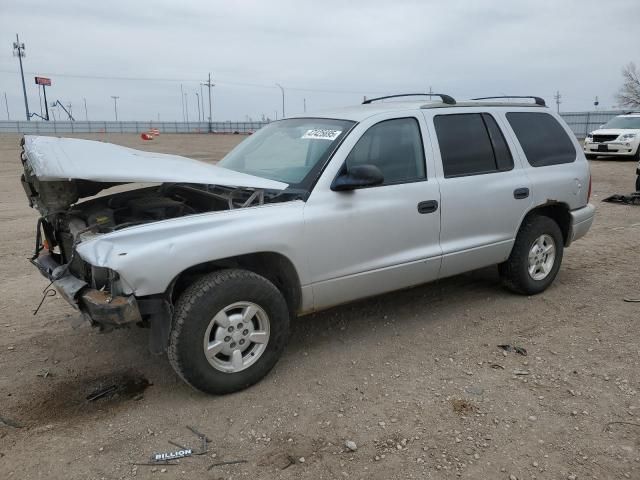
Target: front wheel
{"type": "Point", "coordinates": [536, 256]}
{"type": "Point", "coordinates": [638, 183]}
{"type": "Point", "coordinates": [590, 156]}
{"type": "Point", "coordinates": [230, 328]}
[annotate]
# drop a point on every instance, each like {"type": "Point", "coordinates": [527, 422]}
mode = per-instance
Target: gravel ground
{"type": "Point", "coordinates": [406, 385]}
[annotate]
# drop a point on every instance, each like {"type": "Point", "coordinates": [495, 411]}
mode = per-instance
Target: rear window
{"type": "Point", "coordinates": [542, 138]}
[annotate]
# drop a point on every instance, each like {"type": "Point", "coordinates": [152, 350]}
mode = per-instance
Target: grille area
{"type": "Point", "coordinates": [604, 138]}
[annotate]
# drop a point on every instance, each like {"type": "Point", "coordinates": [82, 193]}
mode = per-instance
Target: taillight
{"type": "Point", "coordinates": [589, 194]}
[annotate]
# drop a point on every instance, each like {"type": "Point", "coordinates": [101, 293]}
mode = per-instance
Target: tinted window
{"type": "Point", "coordinates": [395, 147]}
{"type": "Point", "coordinates": [504, 160]}
{"type": "Point", "coordinates": [543, 140]}
{"type": "Point", "coordinates": [471, 144]}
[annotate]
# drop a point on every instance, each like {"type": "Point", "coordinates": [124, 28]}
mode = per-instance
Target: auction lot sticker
{"type": "Point", "coordinates": [322, 134]}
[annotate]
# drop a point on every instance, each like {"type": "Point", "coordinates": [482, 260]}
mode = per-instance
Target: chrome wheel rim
{"type": "Point", "coordinates": [236, 337]}
{"type": "Point", "coordinates": [542, 256]}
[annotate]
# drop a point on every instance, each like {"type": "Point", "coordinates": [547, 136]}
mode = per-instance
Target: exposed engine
{"type": "Point", "coordinates": [126, 209]}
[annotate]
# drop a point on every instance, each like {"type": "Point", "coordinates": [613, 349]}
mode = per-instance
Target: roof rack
{"type": "Point", "coordinates": [538, 100]}
{"type": "Point", "coordinates": [445, 98]}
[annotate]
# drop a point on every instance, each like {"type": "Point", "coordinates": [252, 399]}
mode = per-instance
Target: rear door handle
{"type": "Point", "coordinates": [428, 206]}
{"type": "Point", "coordinates": [520, 193]}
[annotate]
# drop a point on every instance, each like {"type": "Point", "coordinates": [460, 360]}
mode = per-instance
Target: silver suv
{"type": "Point", "coordinates": [309, 212]}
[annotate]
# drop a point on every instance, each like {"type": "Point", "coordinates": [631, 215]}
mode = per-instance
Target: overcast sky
{"type": "Point", "coordinates": [330, 53]}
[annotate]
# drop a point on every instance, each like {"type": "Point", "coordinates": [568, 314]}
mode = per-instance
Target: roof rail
{"type": "Point", "coordinates": [631, 111]}
{"type": "Point", "coordinates": [537, 100]}
{"type": "Point", "coordinates": [445, 98]}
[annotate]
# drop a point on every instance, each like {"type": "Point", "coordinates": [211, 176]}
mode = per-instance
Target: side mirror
{"type": "Point", "coordinates": [356, 177]}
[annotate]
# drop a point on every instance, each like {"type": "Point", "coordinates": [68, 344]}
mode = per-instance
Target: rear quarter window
{"type": "Point", "coordinates": [542, 138]}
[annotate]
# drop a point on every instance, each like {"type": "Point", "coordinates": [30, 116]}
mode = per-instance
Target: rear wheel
{"type": "Point", "coordinates": [230, 328]}
{"type": "Point", "coordinates": [638, 183]}
{"type": "Point", "coordinates": [591, 156]}
{"type": "Point", "coordinates": [536, 256]}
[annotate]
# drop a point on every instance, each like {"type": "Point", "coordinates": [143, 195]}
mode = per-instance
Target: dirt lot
{"type": "Point", "coordinates": [414, 378]}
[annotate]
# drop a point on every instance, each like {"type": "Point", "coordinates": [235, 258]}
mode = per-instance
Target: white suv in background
{"type": "Point", "coordinates": [620, 136]}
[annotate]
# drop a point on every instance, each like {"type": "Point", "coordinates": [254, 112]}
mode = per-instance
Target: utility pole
{"type": "Point", "coordinates": [6, 104]}
{"type": "Point", "coordinates": [186, 106]}
{"type": "Point", "coordinates": [18, 51]}
{"type": "Point", "coordinates": [115, 105]}
{"type": "Point", "coordinates": [304, 105]}
{"type": "Point", "coordinates": [86, 115]}
{"type": "Point", "coordinates": [282, 90]}
{"type": "Point", "coordinates": [209, 84]}
{"type": "Point", "coordinates": [557, 97]}
{"type": "Point", "coordinates": [198, 102]}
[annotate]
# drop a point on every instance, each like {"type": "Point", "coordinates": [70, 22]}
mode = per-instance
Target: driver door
{"type": "Point", "coordinates": [375, 239]}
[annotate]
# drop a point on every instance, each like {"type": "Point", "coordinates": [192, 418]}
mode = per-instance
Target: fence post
{"type": "Point", "coordinates": [587, 126]}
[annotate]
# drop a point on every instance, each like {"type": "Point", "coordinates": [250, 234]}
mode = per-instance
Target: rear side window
{"type": "Point", "coordinates": [542, 138]}
{"type": "Point", "coordinates": [471, 144]}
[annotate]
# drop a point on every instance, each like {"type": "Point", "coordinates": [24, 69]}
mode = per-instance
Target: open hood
{"type": "Point", "coordinates": [67, 159]}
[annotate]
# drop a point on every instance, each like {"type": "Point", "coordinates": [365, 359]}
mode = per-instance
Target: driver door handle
{"type": "Point", "coordinates": [428, 206]}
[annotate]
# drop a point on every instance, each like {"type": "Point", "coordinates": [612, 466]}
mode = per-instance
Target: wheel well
{"type": "Point", "coordinates": [275, 267]}
{"type": "Point", "coordinates": [558, 212]}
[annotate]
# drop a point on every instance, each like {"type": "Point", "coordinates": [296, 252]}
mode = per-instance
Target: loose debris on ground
{"type": "Point", "coordinates": [510, 348]}
{"type": "Point", "coordinates": [631, 199]}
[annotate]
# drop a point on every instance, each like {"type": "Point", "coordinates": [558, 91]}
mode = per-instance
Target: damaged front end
{"type": "Point", "coordinates": [59, 172]}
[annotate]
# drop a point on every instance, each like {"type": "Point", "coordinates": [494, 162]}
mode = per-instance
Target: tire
{"type": "Point", "coordinates": [638, 183]}
{"type": "Point", "coordinates": [590, 156]}
{"type": "Point", "coordinates": [515, 272]}
{"type": "Point", "coordinates": [210, 308]}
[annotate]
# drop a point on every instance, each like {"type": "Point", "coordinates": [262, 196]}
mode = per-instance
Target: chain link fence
{"type": "Point", "coordinates": [57, 128]}
{"type": "Point", "coordinates": [584, 122]}
{"type": "Point", "coordinates": [580, 122]}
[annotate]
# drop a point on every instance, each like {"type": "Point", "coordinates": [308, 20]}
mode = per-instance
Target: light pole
{"type": "Point", "coordinates": [198, 102]}
{"type": "Point", "coordinates": [186, 107]}
{"type": "Point", "coordinates": [202, 101]}
{"type": "Point", "coordinates": [182, 100]}
{"type": "Point", "coordinates": [6, 104]}
{"type": "Point", "coordinates": [282, 90]}
{"type": "Point", "coordinates": [115, 105]}
{"type": "Point", "coordinates": [86, 115]}
{"type": "Point", "coordinates": [18, 51]}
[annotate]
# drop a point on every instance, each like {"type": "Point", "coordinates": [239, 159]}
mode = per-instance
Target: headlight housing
{"type": "Point", "coordinates": [627, 136]}
{"type": "Point", "coordinates": [589, 136]}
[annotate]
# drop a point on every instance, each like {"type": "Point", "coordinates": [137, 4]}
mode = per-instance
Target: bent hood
{"type": "Point", "coordinates": [65, 159]}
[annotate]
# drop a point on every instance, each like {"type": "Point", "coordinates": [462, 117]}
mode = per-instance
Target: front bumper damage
{"type": "Point", "coordinates": [100, 306]}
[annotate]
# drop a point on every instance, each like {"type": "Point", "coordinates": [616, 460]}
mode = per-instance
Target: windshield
{"type": "Point", "coordinates": [289, 151]}
{"type": "Point", "coordinates": [623, 123]}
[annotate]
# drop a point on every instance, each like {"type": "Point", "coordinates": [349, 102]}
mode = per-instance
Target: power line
{"type": "Point", "coordinates": [227, 83]}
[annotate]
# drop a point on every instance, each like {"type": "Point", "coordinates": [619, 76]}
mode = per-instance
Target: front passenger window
{"type": "Point", "coordinates": [395, 147]}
